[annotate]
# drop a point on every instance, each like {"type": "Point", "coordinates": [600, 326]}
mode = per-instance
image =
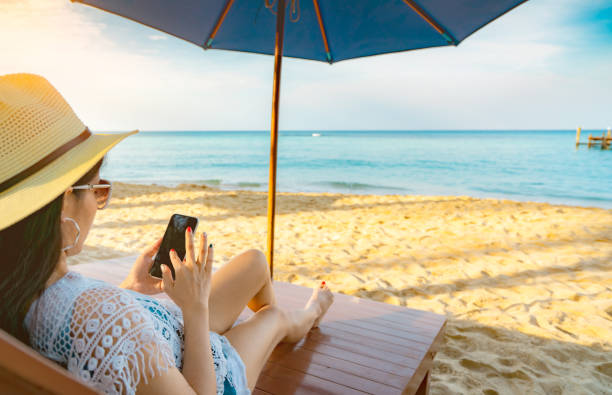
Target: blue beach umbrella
{"type": "Point", "coordinates": [324, 30]}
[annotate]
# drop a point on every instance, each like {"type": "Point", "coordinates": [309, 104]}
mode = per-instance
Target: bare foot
{"type": "Point", "coordinates": [321, 299]}
{"type": "Point", "coordinates": [303, 320]}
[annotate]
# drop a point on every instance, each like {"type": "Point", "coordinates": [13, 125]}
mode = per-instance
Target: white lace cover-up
{"type": "Point", "coordinates": [113, 338]}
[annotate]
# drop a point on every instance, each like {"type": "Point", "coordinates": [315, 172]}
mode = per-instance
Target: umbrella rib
{"type": "Point", "coordinates": [228, 5]}
{"type": "Point", "coordinates": [429, 19]}
{"type": "Point", "coordinates": [323, 34]}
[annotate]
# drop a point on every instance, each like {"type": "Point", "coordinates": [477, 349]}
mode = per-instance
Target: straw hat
{"type": "Point", "coordinates": [44, 146]}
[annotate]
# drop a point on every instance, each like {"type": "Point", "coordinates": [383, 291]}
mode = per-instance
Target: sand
{"type": "Point", "coordinates": [526, 287]}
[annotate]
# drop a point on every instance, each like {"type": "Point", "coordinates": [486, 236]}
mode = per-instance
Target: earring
{"type": "Point", "coordinates": [76, 240]}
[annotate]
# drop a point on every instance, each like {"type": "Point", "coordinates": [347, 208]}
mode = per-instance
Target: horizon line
{"type": "Point", "coordinates": [357, 130]}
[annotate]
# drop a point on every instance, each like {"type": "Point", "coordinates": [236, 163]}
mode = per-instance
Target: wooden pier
{"type": "Point", "coordinates": [604, 141]}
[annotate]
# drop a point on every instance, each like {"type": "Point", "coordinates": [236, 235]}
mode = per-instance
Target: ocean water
{"type": "Point", "coordinates": [541, 166]}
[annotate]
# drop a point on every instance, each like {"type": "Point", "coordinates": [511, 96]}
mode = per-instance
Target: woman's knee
{"type": "Point", "coordinates": [258, 264]}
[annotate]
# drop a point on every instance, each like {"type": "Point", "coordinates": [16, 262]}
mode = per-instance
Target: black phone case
{"type": "Point", "coordinates": [173, 238]}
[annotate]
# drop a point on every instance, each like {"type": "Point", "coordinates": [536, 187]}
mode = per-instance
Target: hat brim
{"type": "Point", "coordinates": [39, 189]}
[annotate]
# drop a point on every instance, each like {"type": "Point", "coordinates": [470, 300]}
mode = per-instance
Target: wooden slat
{"type": "Point", "coordinates": [400, 379]}
{"type": "Point", "coordinates": [26, 371]}
{"type": "Point", "coordinates": [361, 359]}
{"type": "Point", "coordinates": [343, 310]}
{"type": "Point", "coordinates": [114, 270]}
{"type": "Point", "coordinates": [361, 346]}
{"type": "Point", "coordinates": [366, 333]}
{"type": "Point", "coordinates": [278, 379]}
{"type": "Point", "coordinates": [418, 339]}
{"type": "Point", "coordinates": [360, 343]}
{"type": "Point", "coordinates": [422, 373]}
{"type": "Point", "coordinates": [392, 336]}
{"type": "Point", "coordinates": [367, 348]}
{"type": "Point", "coordinates": [366, 344]}
{"type": "Point", "coordinates": [415, 381]}
{"type": "Point", "coordinates": [364, 302]}
{"type": "Point", "coordinates": [368, 307]}
{"type": "Point", "coordinates": [258, 391]}
{"type": "Point", "coordinates": [294, 296]}
{"type": "Point", "coordinates": [11, 384]}
{"type": "Point", "coordinates": [357, 382]}
{"type": "Point", "coordinates": [373, 374]}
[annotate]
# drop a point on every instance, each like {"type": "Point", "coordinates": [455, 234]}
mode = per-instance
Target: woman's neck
{"type": "Point", "coordinates": [60, 270]}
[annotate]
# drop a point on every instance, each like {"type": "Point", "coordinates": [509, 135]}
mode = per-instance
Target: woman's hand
{"type": "Point", "coordinates": [139, 279]}
{"type": "Point", "coordinates": [190, 289]}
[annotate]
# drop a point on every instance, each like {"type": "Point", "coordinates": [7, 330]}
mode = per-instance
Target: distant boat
{"type": "Point", "coordinates": [316, 134]}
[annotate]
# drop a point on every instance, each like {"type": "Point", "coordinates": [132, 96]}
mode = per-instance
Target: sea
{"type": "Point", "coordinates": [524, 165]}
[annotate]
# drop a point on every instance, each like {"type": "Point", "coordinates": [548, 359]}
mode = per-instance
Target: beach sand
{"type": "Point", "coordinates": [526, 287]}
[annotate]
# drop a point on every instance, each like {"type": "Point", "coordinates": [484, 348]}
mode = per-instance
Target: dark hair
{"type": "Point", "coordinates": [30, 251]}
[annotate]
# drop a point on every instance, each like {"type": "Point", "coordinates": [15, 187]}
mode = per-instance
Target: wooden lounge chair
{"type": "Point", "coordinates": [361, 346]}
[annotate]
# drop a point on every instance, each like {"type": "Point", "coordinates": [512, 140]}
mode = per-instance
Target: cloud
{"type": "Point", "coordinates": [112, 86]}
{"type": "Point", "coordinates": [531, 68]}
{"type": "Point", "coordinates": [528, 69]}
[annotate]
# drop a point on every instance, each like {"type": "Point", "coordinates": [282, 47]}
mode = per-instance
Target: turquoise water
{"type": "Point", "coordinates": [540, 166]}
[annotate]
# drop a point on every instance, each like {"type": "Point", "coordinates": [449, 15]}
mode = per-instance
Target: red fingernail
{"type": "Point", "coordinates": [189, 229]}
{"type": "Point", "coordinates": [172, 250]}
{"type": "Point", "coordinates": [323, 282]}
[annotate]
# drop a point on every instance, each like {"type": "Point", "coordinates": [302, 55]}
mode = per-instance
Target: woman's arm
{"type": "Point", "coordinates": [190, 290]}
{"type": "Point", "coordinates": [139, 279]}
{"type": "Point", "coordinates": [198, 367]}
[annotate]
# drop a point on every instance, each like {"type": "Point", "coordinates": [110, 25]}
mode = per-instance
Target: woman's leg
{"type": "Point", "coordinates": [272, 325]}
{"type": "Point", "coordinates": [243, 281]}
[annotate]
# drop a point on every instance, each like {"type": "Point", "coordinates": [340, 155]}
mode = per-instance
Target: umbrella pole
{"type": "Point", "coordinates": [278, 63]}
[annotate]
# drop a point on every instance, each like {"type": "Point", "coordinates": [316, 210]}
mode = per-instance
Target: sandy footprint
{"type": "Point", "coordinates": [605, 368]}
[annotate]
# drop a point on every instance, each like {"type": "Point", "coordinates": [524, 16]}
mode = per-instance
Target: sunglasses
{"type": "Point", "coordinates": [102, 192]}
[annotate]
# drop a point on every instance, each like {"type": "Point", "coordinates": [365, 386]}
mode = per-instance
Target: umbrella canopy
{"type": "Point", "coordinates": [323, 30]}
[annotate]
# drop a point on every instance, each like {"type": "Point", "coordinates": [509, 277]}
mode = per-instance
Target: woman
{"type": "Point", "coordinates": [118, 339]}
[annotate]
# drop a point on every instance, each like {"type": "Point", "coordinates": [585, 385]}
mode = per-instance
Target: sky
{"type": "Point", "coordinates": [545, 65]}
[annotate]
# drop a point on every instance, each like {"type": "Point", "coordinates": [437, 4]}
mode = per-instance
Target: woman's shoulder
{"type": "Point", "coordinates": [71, 284]}
{"type": "Point", "coordinates": [100, 332]}
{"type": "Point", "coordinates": [63, 293]}
{"type": "Point", "coordinates": [72, 297]}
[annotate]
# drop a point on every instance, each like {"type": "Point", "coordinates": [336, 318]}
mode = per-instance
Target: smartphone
{"type": "Point", "coordinates": [174, 238]}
